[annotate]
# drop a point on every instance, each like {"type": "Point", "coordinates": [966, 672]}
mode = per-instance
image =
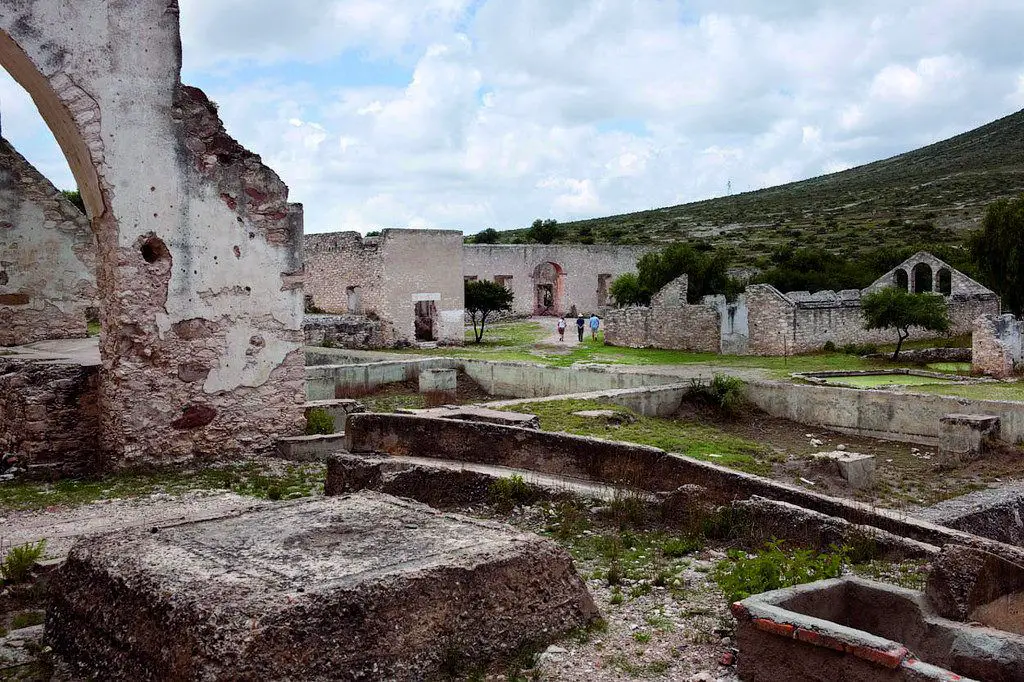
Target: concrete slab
{"type": "Point", "coordinates": [855, 468]}
{"type": "Point", "coordinates": [474, 413]}
{"type": "Point", "coordinates": [310, 448]}
{"type": "Point", "coordinates": [358, 587]}
{"type": "Point", "coordinates": [962, 437]}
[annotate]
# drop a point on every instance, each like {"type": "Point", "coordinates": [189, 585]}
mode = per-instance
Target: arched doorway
{"type": "Point", "coordinates": [199, 267]}
{"type": "Point", "coordinates": [922, 278]}
{"type": "Point", "coordinates": [901, 280]}
{"type": "Point", "coordinates": [548, 287]}
{"type": "Point", "coordinates": [945, 281]}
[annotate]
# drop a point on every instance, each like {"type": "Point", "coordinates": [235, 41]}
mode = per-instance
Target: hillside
{"type": "Point", "coordinates": [932, 196]}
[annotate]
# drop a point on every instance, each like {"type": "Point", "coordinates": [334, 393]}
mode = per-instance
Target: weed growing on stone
{"type": "Point", "coordinates": [319, 422]}
{"type": "Point", "coordinates": [19, 561]}
{"type": "Point", "coordinates": [912, 573]}
{"type": "Point", "coordinates": [723, 393]}
{"type": "Point", "coordinates": [508, 492]}
{"type": "Point", "coordinates": [27, 619]}
{"type": "Point", "coordinates": [772, 567]}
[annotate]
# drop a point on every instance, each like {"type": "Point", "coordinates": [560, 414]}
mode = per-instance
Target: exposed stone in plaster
{"type": "Point", "coordinates": [47, 257]}
{"type": "Point", "coordinates": [154, 163]}
{"type": "Point", "coordinates": [996, 345]}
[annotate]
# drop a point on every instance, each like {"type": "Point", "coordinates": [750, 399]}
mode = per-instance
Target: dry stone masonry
{"type": "Point", "coordinates": [996, 348]}
{"type": "Point", "coordinates": [199, 262]}
{"type": "Point", "coordinates": [47, 257]}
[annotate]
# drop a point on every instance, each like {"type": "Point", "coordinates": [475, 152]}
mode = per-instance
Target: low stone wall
{"type": "Point", "coordinates": [347, 331]}
{"type": "Point", "coordinates": [636, 466]}
{"type": "Point", "coordinates": [688, 327]}
{"type": "Point", "coordinates": [49, 415]}
{"type": "Point", "coordinates": [912, 418]}
{"type": "Point", "coordinates": [528, 380]}
{"type": "Point", "coordinates": [325, 382]}
{"type": "Point", "coordinates": [656, 401]}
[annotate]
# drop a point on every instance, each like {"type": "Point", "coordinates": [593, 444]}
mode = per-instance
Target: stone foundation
{"type": "Point", "coordinates": [347, 331]}
{"type": "Point", "coordinates": [359, 587]}
{"type": "Point", "coordinates": [962, 437]}
{"type": "Point", "coordinates": [49, 415]}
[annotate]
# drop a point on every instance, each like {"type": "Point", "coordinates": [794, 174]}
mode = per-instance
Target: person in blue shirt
{"type": "Point", "coordinates": [595, 324]}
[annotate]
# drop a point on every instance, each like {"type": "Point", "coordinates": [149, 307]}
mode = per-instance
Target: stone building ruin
{"type": "Point", "coordinates": [765, 321]}
{"type": "Point", "coordinates": [47, 257]}
{"type": "Point", "coordinates": [996, 345]}
{"type": "Point", "coordinates": [406, 286]}
{"type": "Point", "coordinates": [199, 262]}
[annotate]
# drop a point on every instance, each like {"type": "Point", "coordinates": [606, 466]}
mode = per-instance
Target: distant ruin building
{"type": "Point", "coordinates": [406, 286]}
{"type": "Point", "coordinates": [765, 321]}
{"type": "Point", "coordinates": [47, 257]}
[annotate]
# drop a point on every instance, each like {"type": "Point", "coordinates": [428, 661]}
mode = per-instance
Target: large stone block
{"type": "Point", "coordinates": [962, 436]}
{"type": "Point", "coordinates": [359, 587]}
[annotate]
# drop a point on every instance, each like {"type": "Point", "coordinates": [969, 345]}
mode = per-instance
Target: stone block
{"type": "Point", "coordinates": [358, 587]}
{"type": "Point", "coordinates": [438, 381]}
{"type": "Point", "coordinates": [475, 413]}
{"type": "Point", "coordinates": [969, 584]}
{"type": "Point", "coordinates": [310, 448]}
{"type": "Point", "coordinates": [855, 468]}
{"type": "Point", "coordinates": [962, 437]}
{"type": "Point", "coordinates": [339, 409]}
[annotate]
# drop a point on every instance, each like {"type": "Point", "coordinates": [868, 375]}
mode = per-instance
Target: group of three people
{"type": "Point", "coordinates": [581, 323]}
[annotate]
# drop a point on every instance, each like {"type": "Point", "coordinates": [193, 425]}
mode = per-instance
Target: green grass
{"type": "Point", "coordinates": [252, 479]}
{"type": "Point", "coordinates": [883, 380]}
{"type": "Point", "coordinates": [1013, 390]}
{"type": "Point", "coordinates": [950, 367]}
{"type": "Point", "coordinates": [699, 441]}
{"type": "Point", "coordinates": [93, 328]}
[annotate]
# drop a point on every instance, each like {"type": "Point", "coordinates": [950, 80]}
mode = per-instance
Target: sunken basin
{"type": "Point", "coordinates": [354, 587]}
{"type": "Point", "coordinates": [861, 631]}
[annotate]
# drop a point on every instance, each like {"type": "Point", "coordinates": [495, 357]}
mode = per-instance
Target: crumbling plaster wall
{"type": "Point", "coordinates": [47, 257]}
{"type": "Point", "coordinates": [199, 251]}
{"type": "Point", "coordinates": [996, 345]}
{"type": "Point", "coordinates": [581, 265]}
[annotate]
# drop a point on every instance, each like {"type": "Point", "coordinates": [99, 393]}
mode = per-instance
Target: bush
{"type": "Point", "coordinates": [829, 347]}
{"type": "Point", "coordinates": [724, 393]}
{"type": "Point", "coordinates": [859, 348]}
{"type": "Point", "coordinates": [319, 422]}
{"type": "Point", "coordinates": [17, 565]}
{"type": "Point", "coordinates": [772, 568]}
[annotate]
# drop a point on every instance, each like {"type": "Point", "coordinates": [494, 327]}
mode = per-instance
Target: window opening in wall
{"type": "Point", "coordinates": [354, 296]}
{"type": "Point", "coordinates": [469, 278]}
{"type": "Point", "coordinates": [945, 278]}
{"type": "Point", "coordinates": [922, 278]}
{"type": "Point", "coordinates": [503, 280]}
{"type": "Point", "coordinates": [902, 281]}
{"type": "Point", "coordinates": [426, 319]}
{"type": "Point", "coordinates": [602, 290]}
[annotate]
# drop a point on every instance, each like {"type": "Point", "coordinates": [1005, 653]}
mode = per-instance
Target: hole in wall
{"type": "Point", "coordinates": [3, 278]}
{"type": "Point", "coordinates": [154, 249]}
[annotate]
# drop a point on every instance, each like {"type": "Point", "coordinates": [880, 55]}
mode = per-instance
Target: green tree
{"type": "Point", "coordinates": [482, 299]}
{"type": "Point", "coordinates": [998, 250]}
{"type": "Point", "coordinates": [625, 289]}
{"type": "Point", "coordinates": [488, 236]}
{"type": "Point", "coordinates": [892, 308]}
{"type": "Point", "coordinates": [75, 197]}
{"type": "Point", "coordinates": [544, 231]}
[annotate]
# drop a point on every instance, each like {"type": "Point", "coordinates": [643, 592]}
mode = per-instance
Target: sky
{"type": "Point", "coordinates": [469, 114]}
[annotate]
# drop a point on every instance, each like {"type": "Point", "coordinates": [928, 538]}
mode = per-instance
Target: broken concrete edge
{"type": "Point", "coordinates": [312, 448]}
{"type": "Point", "coordinates": [639, 466]}
{"type": "Point", "coordinates": [763, 613]}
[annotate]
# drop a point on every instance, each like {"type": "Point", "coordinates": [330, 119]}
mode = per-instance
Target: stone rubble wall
{"type": "Point", "coordinates": [338, 260]}
{"type": "Point", "coordinates": [688, 327]}
{"type": "Point", "coordinates": [347, 331]}
{"type": "Point", "coordinates": [49, 415]}
{"type": "Point", "coordinates": [199, 251]}
{"type": "Point", "coordinates": [996, 345]}
{"type": "Point", "coordinates": [47, 257]}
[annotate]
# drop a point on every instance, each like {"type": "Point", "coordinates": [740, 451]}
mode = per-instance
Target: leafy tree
{"type": "Point", "coordinates": [999, 251]}
{"type": "Point", "coordinates": [483, 298]}
{"type": "Point", "coordinates": [373, 233]}
{"type": "Point", "coordinates": [544, 231]}
{"type": "Point", "coordinates": [488, 236]}
{"type": "Point", "coordinates": [892, 308]}
{"type": "Point", "coordinates": [625, 289]}
{"type": "Point", "coordinates": [75, 197]}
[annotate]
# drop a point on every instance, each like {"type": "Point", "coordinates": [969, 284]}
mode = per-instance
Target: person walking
{"type": "Point", "coordinates": [561, 328]}
{"type": "Point", "coordinates": [580, 324]}
{"type": "Point", "coordinates": [595, 324]}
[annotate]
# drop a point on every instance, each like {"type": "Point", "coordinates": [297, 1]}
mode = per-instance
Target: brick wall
{"type": "Point", "coordinates": [49, 414]}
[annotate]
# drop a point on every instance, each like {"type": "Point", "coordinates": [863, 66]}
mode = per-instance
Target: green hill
{"type": "Point", "coordinates": [932, 196]}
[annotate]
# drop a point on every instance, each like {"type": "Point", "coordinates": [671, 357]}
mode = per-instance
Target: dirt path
{"type": "Point", "coordinates": [550, 325]}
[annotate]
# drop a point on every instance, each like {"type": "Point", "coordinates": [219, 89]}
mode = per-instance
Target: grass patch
{"type": "Point", "coordinates": [695, 440]}
{"type": "Point", "coordinates": [253, 479]}
{"type": "Point", "coordinates": [1008, 390]}
{"type": "Point", "coordinates": [319, 422]}
{"type": "Point", "coordinates": [19, 561]}
{"type": "Point", "coordinates": [508, 492]}
{"type": "Point", "coordinates": [912, 573]}
{"type": "Point", "coordinates": [884, 380]}
{"type": "Point", "coordinates": [27, 619]}
{"type": "Point", "coordinates": [772, 568]}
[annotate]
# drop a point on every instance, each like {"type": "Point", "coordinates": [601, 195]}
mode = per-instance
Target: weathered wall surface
{"type": "Point", "coordinates": [688, 327]}
{"type": "Point", "coordinates": [47, 257]}
{"type": "Point", "coordinates": [346, 331]}
{"type": "Point", "coordinates": [391, 273]}
{"type": "Point", "coordinates": [49, 414]}
{"type": "Point", "coordinates": [199, 252]}
{"type": "Point", "coordinates": [580, 266]}
{"type": "Point", "coordinates": [996, 345]}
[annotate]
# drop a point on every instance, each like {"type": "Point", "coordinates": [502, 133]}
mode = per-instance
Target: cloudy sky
{"type": "Point", "coordinates": [469, 114]}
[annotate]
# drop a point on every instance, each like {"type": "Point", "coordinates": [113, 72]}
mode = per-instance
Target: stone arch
{"type": "Point", "coordinates": [199, 252]}
{"type": "Point", "coordinates": [549, 289]}
{"type": "Point", "coordinates": [922, 278]}
{"type": "Point", "coordinates": [901, 280]}
{"type": "Point", "coordinates": [944, 281]}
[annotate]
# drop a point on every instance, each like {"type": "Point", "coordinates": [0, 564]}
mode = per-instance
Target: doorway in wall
{"type": "Point", "coordinates": [426, 321]}
{"type": "Point", "coordinates": [355, 299]}
{"type": "Point", "coordinates": [549, 285]}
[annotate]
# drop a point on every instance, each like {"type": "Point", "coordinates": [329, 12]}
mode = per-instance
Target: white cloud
{"type": "Point", "coordinates": [480, 113]}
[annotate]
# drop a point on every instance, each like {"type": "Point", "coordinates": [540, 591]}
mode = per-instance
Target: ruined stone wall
{"type": "Point", "coordinates": [47, 257]}
{"type": "Point", "coordinates": [347, 331]}
{"type": "Point", "coordinates": [423, 265]}
{"type": "Point", "coordinates": [996, 345]}
{"type": "Point", "coordinates": [580, 264]}
{"type": "Point", "coordinates": [199, 252]}
{"type": "Point", "coordinates": [688, 327]}
{"type": "Point", "coordinates": [335, 262]}
{"type": "Point", "coordinates": [49, 414]}
{"type": "Point", "coordinates": [769, 320]}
